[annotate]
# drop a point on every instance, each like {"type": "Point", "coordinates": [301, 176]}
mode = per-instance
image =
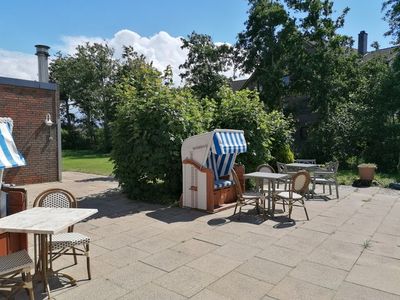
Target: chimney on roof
{"type": "Point", "coordinates": [362, 42]}
{"type": "Point", "coordinates": [42, 52]}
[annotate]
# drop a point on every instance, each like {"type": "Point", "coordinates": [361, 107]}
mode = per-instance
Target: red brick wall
{"type": "Point", "coordinates": [28, 106]}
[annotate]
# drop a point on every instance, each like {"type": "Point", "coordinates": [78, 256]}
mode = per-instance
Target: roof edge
{"type": "Point", "coordinates": [28, 83]}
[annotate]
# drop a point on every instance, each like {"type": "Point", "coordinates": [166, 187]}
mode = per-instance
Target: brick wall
{"type": "Point", "coordinates": [27, 103]}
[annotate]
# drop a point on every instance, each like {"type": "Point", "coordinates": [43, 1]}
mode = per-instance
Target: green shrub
{"type": "Point", "coordinates": [147, 138]}
{"type": "Point", "coordinates": [265, 133]}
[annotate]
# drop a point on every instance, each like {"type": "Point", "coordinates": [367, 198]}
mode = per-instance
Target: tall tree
{"type": "Point", "coordinates": [204, 65]}
{"type": "Point", "coordinates": [392, 15]}
{"type": "Point", "coordinates": [264, 46]}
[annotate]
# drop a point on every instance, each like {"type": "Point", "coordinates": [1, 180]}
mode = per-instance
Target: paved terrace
{"type": "Point", "coordinates": [350, 249]}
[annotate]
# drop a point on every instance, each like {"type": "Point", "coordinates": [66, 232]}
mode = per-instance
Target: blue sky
{"type": "Point", "coordinates": [64, 24]}
{"type": "Point", "coordinates": [25, 23]}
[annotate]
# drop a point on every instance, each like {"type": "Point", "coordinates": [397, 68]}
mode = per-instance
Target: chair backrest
{"type": "Point", "coordinates": [281, 167]}
{"type": "Point", "coordinates": [332, 166]}
{"type": "Point", "coordinates": [306, 161]}
{"type": "Point", "coordinates": [300, 182]}
{"type": "Point", "coordinates": [58, 198]}
{"type": "Point", "coordinates": [236, 181]}
{"type": "Point", "coordinates": [265, 168]}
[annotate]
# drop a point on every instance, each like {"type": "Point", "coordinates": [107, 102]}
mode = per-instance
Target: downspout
{"type": "Point", "coordinates": [58, 122]}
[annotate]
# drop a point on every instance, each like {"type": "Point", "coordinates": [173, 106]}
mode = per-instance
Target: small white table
{"type": "Point", "coordinates": [44, 221]}
{"type": "Point", "coordinates": [271, 178]}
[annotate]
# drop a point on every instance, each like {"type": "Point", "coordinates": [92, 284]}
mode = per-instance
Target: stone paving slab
{"type": "Point", "coordinates": [348, 250]}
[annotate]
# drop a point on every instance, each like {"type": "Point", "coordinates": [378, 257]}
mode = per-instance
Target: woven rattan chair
{"type": "Point", "coordinates": [68, 243]}
{"type": "Point", "coordinates": [327, 176]}
{"type": "Point", "coordinates": [245, 198]}
{"type": "Point", "coordinates": [268, 169]}
{"type": "Point", "coordinates": [10, 267]}
{"type": "Point", "coordinates": [295, 195]}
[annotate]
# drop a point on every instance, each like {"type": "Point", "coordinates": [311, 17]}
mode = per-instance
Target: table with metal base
{"type": "Point", "coordinates": [271, 178]}
{"type": "Point", "coordinates": [43, 222]}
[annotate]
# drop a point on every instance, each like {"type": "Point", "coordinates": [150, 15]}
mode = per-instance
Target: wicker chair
{"type": "Point", "coordinates": [268, 169]}
{"type": "Point", "coordinates": [12, 265]}
{"type": "Point", "coordinates": [327, 175]}
{"type": "Point", "coordinates": [295, 195]}
{"type": "Point", "coordinates": [67, 243]}
{"type": "Point", "coordinates": [247, 198]}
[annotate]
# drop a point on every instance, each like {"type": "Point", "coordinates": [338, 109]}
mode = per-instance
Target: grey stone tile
{"type": "Point", "coordinates": [146, 232]}
{"type": "Point", "coordinates": [256, 240]}
{"type": "Point", "coordinates": [286, 256]}
{"type": "Point", "coordinates": [302, 240]}
{"type": "Point", "coordinates": [208, 295]}
{"type": "Point", "coordinates": [291, 288]}
{"type": "Point", "coordinates": [265, 270]}
{"type": "Point", "coordinates": [152, 292]}
{"type": "Point", "coordinates": [353, 291]}
{"type": "Point", "coordinates": [154, 244]}
{"type": "Point", "coordinates": [122, 256]}
{"type": "Point", "coordinates": [217, 237]}
{"type": "Point", "coordinates": [336, 254]}
{"type": "Point", "coordinates": [377, 272]}
{"type": "Point", "coordinates": [95, 289]}
{"type": "Point", "coordinates": [235, 285]}
{"type": "Point", "coordinates": [194, 247]}
{"type": "Point", "coordinates": [168, 260]}
{"type": "Point", "coordinates": [185, 281]}
{"type": "Point", "coordinates": [134, 276]}
{"type": "Point", "coordinates": [355, 238]}
{"type": "Point", "coordinates": [115, 241]}
{"type": "Point", "coordinates": [214, 264]}
{"type": "Point", "coordinates": [319, 274]}
{"type": "Point", "coordinates": [237, 251]}
{"type": "Point", "coordinates": [178, 235]}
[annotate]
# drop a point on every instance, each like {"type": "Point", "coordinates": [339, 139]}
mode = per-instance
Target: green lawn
{"type": "Point", "coordinates": [384, 179]}
{"type": "Point", "coordinates": [87, 162]}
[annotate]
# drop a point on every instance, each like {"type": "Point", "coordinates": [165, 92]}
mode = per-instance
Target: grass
{"type": "Point", "coordinates": [384, 179]}
{"type": "Point", "coordinates": [86, 161]}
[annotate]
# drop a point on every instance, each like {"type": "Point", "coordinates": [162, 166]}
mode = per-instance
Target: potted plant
{"type": "Point", "coordinates": [367, 171]}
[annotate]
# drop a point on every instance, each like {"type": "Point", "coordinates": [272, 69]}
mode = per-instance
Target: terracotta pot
{"type": "Point", "coordinates": [366, 172]}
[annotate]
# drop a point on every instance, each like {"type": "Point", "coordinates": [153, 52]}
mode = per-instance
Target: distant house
{"type": "Point", "coordinates": [298, 106]}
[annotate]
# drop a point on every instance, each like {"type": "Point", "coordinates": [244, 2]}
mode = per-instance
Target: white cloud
{"type": "Point", "coordinates": [162, 49]}
{"type": "Point", "coordinates": [18, 65]}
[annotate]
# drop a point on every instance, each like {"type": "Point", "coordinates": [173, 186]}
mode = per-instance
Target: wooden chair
{"type": "Point", "coordinates": [245, 198]}
{"type": "Point", "coordinates": [70, 242]}
{"type": "Point", "coordinates": [295, 195]}
{"type": "Point", "coordinates": [13, 265]}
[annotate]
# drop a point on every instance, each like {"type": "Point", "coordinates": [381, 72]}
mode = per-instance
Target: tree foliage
{"type": "Point", "coordinates": [392, 15]}
{"type": "Point", "coordinates": [202, 70]}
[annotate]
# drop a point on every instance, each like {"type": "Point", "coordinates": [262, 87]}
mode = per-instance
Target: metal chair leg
{"type": "Point", "coordinates": [74, 252]}
{"type": "Point", "coordinates": [88, 261]}
{"type": "Point", "coordinates": [305, 209]}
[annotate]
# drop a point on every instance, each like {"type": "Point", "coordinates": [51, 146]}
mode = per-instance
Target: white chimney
{"type": "Point", "coordinates": [42, 52]}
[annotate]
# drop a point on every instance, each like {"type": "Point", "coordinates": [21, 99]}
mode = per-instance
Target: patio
{"type": "Point", "coordinates": [349, 249]}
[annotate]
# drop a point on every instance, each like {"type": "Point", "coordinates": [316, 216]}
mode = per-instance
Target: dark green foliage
{"type": "Point", "coordinates": [266, 133]}
{"type": "Point", "coordinates": [204, 65]}
{"type": "Point", "coordinates": [392, 15]}
{"type": "Point", "coordinates": [147, 139]}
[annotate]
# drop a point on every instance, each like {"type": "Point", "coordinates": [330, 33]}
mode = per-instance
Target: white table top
{"type": "Point", "coordinates": [265, 175]}
{"type": "Point", "coordinates": [303, 166]}
{"type": "Point", "coordinates": [44, 220]}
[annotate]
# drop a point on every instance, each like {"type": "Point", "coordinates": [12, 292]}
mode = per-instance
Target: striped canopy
{"type": "Point", "coordinates": [228, 142]}
{"type": "Point", "coordinates": [9, 155]}
{"type": "Point", "coordinates": [226, 145]}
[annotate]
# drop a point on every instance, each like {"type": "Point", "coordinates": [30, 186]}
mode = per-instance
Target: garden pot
{"type": "Point", "coordinates": [366, 171]}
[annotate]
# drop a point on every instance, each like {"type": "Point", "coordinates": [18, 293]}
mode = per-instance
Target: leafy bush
{"type": "Point", "coordinates": [265, 133]}
{"type": "Point", "coordinates": [147, 138]}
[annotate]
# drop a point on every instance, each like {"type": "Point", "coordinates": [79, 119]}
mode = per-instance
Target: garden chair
{"type": "Point", "coordinates": [70, 242]}
{"type": "Point", "coordinates": [327, 176]}
{"type": "Point", "coordinates": [245, 198]}
{"type": "Point", "coordinates": [268, 169]}
{"type": "Point", "coordinates": [295, 195]}
{"type": "Point", "coordinates": [282, 168]}
{"type": "Point", "coordinates": [12, 265]}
